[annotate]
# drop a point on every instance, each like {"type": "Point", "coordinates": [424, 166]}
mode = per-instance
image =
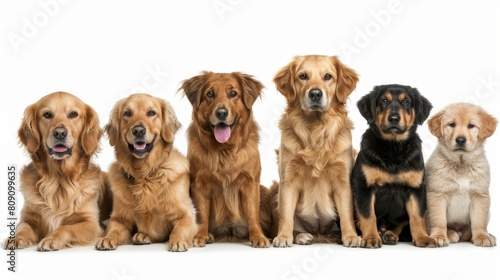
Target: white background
{"type": "Point", "coordinates": [102, 51]}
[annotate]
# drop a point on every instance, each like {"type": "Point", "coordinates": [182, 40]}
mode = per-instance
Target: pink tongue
{"type": "Point", "coordinates": [59, 149]}
{"type": "Point", "coordinates": [222, 133]}
{"type": "Point", "coordinates": [140, 146]}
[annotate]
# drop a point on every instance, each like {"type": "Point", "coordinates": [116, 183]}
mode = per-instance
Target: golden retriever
{"type": "Point", "coordinates": [224, 159]}
{"type": "Point", "coordinates": [315, 156]}
{"type": "Point", "coordinates": [458, 176]}
{"type": "Point", "coordinates": [63, 190]}
{"type": "Point", "coordinates": [149, 179]}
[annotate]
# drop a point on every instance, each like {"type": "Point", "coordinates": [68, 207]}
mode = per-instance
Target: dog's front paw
{"type": "Point", "coordinates": [389, 238]}
{"type": "Point", "coordinates": [260, 242]}
{"type": "Point", "coordinates": [425, 241]}
{"type": "Point", "coordinates": [371, 241]}
{"type": "Point", "coordinates": [304, 238]}
{"type": "Point", "coordinates": [453, 235]}
{"type": "Point", "coordinates": [441, 240]}
{"type": "Point", "coordinates": [200, 241]}
{"type": "Point", "coordinates": [50, 244]}
{"type": "Point", "coordinates": [282, 241]}
{"type": "Point", "coordinates": [178, 246]}
{"type": "Point", "coordinates": [16, 243]}
{"type": "Point", "coordinates": [141, 239]}
{"type": "Point", "coordinates": [484, 240]}
{"type": "Point", "coordinates": [106, 244]}
{"type": "Point", "coordinates": [351, 241]}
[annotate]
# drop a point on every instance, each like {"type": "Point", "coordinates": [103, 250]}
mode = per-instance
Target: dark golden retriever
{"type": "Point", "coordinates": [149, 179]}
{"type": "Point", "coordinates": [316, 155]}
{"type": "Point", "coordinates": [63, 190]}
{"type": "Point", "coordinates": [224, 159]}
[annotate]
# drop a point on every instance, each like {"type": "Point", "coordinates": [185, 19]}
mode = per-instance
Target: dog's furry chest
{"type": "Point", "coordinates": [315, 205]}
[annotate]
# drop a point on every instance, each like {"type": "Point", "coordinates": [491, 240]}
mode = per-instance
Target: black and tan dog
{"type": "Point", "coordinates": [388, 177]}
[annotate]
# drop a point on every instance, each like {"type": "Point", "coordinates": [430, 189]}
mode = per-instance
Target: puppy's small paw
{"type": "Point", "coordinates": [389, 238]}
{"type": "Point", "coordinates": [453, 236]}
{"type": "Point", "coordinates": [260, 242]}
{"type": "Point", "coordinates": [211, 238]}
{"type": "Point", "coordinates": [178, 246]}
{"type": "Point", "coordinates": [105, 244]}
{"type": "Point", "coordinates": [425, 241]}
{"type": "Point", "coordinates": [141, 239]}
{"type": "Point", "coordinates": [371, 241]}
{"type": "Point", "coordinates": [484, 240]}
{"type": "Point", "coordinates": [351, 241]}
{"type": "Point", "coordinates": [441, 240]}
{"type": "Point", "coordinates": [200, 241]}
{"type": "Point", "coordinates": [49, 244]}
{"type": "Point", "coordinates": [304, 238]}
{"type": "Point", "coordinates": [282, 241]}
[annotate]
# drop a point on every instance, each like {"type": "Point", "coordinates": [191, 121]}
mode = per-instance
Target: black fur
{"type": "Point", "coordinates": [391, 157]}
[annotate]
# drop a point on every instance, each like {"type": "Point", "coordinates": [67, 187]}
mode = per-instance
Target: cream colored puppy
{"type": "Point", "coordinates": [458, 176]}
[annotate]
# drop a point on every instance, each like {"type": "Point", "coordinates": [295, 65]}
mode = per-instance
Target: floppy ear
{"type": "Point", "coordinates": [366, 105]}
{"type": "Point", "coordinates": [171, 124]}
{"type": "Point", "coordinates": [192, 88]}
{"type": "Point", "coordinates": [488, 125]}
{"type": "Point", "coordinates": [434, 124]}
{"type": "Point", "coordinates": [423, 106]}
{"type": "Point", "coordinates": [285, 80]}
{"type": "Point", "coordinates": [252, 89]}
{"type": "Point", "coordinates": [112, 128]}
{"type": "Point", "coordinates": [28, 132]}
{"type": "Point", "coordinates": [92, 132]}
{"type": "Point", "coordinates": [347, 79]}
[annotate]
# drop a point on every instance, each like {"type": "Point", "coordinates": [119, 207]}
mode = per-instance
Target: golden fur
{"type": "Point", "coordinates": [458, 176]}
{"type": "Point", "coordinates": [149, 179]}
{"type": "Point", "coordinates": [316, 155]}
{"type": "Point", "coordinates": [62, 188]}
{"type": "Point", "coordinates": [231, 203]}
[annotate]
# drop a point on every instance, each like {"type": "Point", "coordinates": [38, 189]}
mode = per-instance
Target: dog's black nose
{"type": "Point", "coordinates": [394, 118]}
{"type": "Point", "coordinates": [60, 133]}
{"type": "Point", "coordinates": [315, 94]}
{"type": "Point", "coordinates": [460, 141]}
{"type": "Point", "coordinates": [221, 113]}
{"type": "Point", "coordinates": [138, 131]}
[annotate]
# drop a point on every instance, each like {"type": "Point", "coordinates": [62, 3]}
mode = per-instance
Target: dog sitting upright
{"type": "Point", "coordinates": [458, 176]}
{"type": "Point", "coordinates": [388, 177]}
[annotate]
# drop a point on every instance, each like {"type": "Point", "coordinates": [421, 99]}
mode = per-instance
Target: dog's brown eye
{"type": "Point", "coordinates": [233, 93]}
{"type": "Point", "coordinates": [127, 113]}
{"type": "Point", "coordinates": [452, 124]}
{"type": "Point", "coordinates": [73, 114]}
{"type": "Point", "coordinates": [210, 93]}
{"type": "Point", "coordinates": [384, 101]}
{"type": "Point", "coordinates": [406, 102]}
{"type": "Point", "coordinates": [47, 115]}
{"type": "Point", "coordinates": [471, 126]}
{"type": "Point", "coordinates": [328, 77]}
{"type": "Point", "coordinates": [303, 76]}
{"type": "Point", "coordinates": [151, 113]}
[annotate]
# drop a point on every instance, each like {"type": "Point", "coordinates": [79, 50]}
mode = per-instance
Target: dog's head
{"type": "Point", "coordinates": [316, 83]}
{"type": "Point", "coordinates": [140, 122]}
{"type": "Point", "coordinates": [61, 126]}
{"type": "Point", "coordinates": [222, 102]}
{"type": "Point", "coordinates": [394, 110]}
{"type": "Point", "coordinates": [460, 126]}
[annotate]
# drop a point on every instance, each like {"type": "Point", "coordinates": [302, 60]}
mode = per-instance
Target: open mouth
{"type": "Point", "coordinates": [59, 151]}
{"type": "Point", "coordinates": [141, 148]}
{"type": "Point", "coordinates": [222, 132]}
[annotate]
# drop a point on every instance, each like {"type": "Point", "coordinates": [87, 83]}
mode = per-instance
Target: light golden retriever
{"type": "Point", "coordinates": [224, 159]}
{"type": "Point", "coordinates": [149, 179]}
{"type": "Point", "coordinates": [315, 156]}
{"type": "Point", "coordinates": [63, 190]}
{"type": "Point", "coordinates": [458, 176]}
